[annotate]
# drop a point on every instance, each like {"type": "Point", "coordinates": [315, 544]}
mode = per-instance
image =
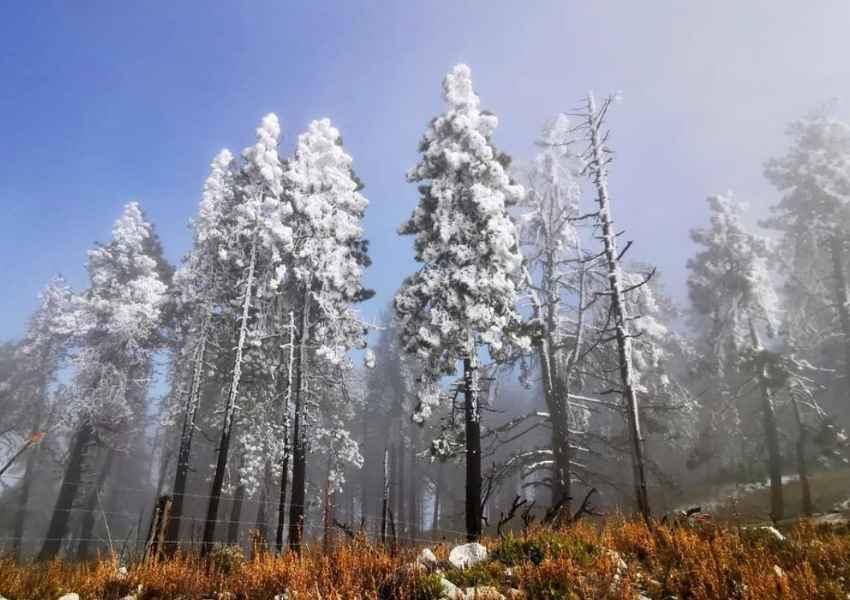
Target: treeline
{"type": "Point", "coordinates": [527, 362]}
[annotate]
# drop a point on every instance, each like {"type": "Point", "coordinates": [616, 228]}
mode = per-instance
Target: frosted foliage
{"type": "Point", "coordinates": [815, 174]}
{"type": "Point", "coordinates": [126, 296]}
{"type": "Point", "coordinates": [729, 282]}
{"type": "Point", "coordinates": [343, 450]}
{"type": "Point", "coordinates": [464, 238]}
{"type": "Point", "coordinates": [328, 210]}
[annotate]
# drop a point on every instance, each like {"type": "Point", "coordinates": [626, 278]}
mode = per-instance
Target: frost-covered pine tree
{"type": "Point", "coordinates": [730, 289]}
{"type": "Point", "coordinates": [466, 289]}
{"type": "Point", "coordinates": [198, 285]}
{"type": "Point", "coordinates": [327, 264]}
{"type": "Point", "coordinates": [40, 356]}
{"type": "Point", "coordinates": [814, 214]}
{"type": "Point", "coordinates": [254, 250]}
{"type": "Point", "coordinates": [116, 329]}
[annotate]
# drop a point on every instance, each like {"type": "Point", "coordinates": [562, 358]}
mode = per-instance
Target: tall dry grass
{"type": "Point", "coordinates": [614, 559]}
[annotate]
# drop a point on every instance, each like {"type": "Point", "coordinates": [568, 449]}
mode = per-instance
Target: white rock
{"type": "Point", "coordinates": [467, 555]}
{"type": "Point", "coordinates": [71, 596]}
{"type": "Point", "coordinates": [830, 519]}
{"type": "Point", "coordinates": [427, 558]}
{"type": "Point", "coordinates": [779, 572]}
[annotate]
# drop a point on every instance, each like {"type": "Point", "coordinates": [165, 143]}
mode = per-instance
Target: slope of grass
{"type": "Point", "coordinates": [614, 559]}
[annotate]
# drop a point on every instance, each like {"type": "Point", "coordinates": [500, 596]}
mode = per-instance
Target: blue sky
{"type": "Point", "coordinates": [106, 102]}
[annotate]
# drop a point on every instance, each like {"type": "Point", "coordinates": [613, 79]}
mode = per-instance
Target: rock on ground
{"type": "Point", "coordinates": [467, 555]}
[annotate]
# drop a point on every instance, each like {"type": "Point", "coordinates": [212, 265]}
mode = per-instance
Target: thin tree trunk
{"type": "Point", "coordinates": [802, 466]}
{"type": "Point", "coordinates": [71, 481]}
{"type": "Point", "coordinates": [227, 426]}
{"type": "Point", "coordinates": [385, 497]}
{"type": "Point", "coordinates": [262, 523]}
{"type": "Point", "coordinates": [89, 512]}
{"type": "Point", "coordinates": [618, 314]}
{"type": "Point", "coordinates": [299, 458]}
{"type": "Point", "coordinates": [412, 491]}
{"type": "Point", "coordinates": [287, 450]}
{"type": "Point", "coordinates": [184, 454]}
{"type": "Point", "coordinates": [836, 245]}
{"type": "Point", "coordinates": [328, 512]}
{"type": "Point", "coordinates": [235, 514]}
{"type": "Point", "coordinates": [401, 490]}
{"type": "Point", "coordinates": [472, 417]}
{"type": "Point", "coordinates": [438, 488]}
{"type": "Point", "coordinates": [771, 434]}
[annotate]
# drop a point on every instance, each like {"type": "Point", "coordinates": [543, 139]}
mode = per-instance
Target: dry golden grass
{"type": "Point", "coordinates": [702, 561]}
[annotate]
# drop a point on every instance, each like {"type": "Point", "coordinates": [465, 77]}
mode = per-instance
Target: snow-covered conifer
{"type": "Point", "coordinates": [465, 292]}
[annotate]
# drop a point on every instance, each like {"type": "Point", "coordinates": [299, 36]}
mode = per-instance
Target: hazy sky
{"type": "Point", "coordinates": [106, 102]}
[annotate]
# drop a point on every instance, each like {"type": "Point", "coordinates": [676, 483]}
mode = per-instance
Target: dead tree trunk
{"type": "Point", "coordinates": [597, 168]}
{"type": "Point", "coordinates": [438, 489]}
{"type": "Point", "coordinates": [262, 523]}
{"type": "Point", "coordinates": [184, 454]}
{"type": "Point", "coordinates": [71, 481]}
{"type": "Point", "coordinates": [230, 408]}
{"type": "Point", "coordinates": [299, 453]}
{"type": "Point", "coordinates": [159, 525]}
{"type": "Point", "coordinates": [472, 417]}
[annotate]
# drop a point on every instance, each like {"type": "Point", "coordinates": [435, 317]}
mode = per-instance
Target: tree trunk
{"type": "Point", "coordinates": [802, 466]}
{"type": "Point", "coordinates": [235, 515]}
{"type": "Point", "coordinates": [90, 509]}
{"type": "Point", "coordinates": [262, 522]}
{"type": "Point", "coordinates": [71, 481]}
{"type": "Point", "coordinates": [299, 454]}
{"type": "Point", "coordinates": [328, 512]}
{"type": "Point", "coordinates": [401, 489]}
{"type": "Point", "coordinates": [412, 491]}
{"type": "Point", "coordinates": [184, 454]}
{"type": "Point", "coordinates": [841, 301]}
{"type": "Point", "coordinates": [618, 314]}
{"type": "Point", "coordinates": [230, 408]}
{"type": "Point", "coordinates": [284, 466]}
{"type": "Point", "coordinates": [472, 417]}
{"type": "Point", "coordinates": [438, 488]}
{"type": "Point", "coordinates": [771, 435]}
{"type": "Point", "coordinates": [385, 497]}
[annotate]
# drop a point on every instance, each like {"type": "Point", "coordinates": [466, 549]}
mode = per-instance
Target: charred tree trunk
{"type": "Point", "coordinates": [836, 246]}
{"type": "Point", "coordinates": [598, 170]}
{"type": "Point", "coordinates": [472, 417]}
{"type": "Point", "coordinates": [235, 514]}
{"type": "Point", "coordinates": [412, 491]}
{"type": "Point", "coordinates": [184, 454]}
{"type": "Point", "coordinates": [299, 453]}
{"type": "Point", "coordinates": [30, 468]}
{"type": "Point", "coordinates": [71, 481]}
{"type": "Point", "coordinates": [90, 507]}
{"type": "Point", "coordinates": [401, 488]}
{"type": "Point", "coordinates": [230, 409]}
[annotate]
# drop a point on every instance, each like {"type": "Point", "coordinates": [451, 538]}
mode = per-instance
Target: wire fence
{"type": "Point", "coordinates": [132, 540]}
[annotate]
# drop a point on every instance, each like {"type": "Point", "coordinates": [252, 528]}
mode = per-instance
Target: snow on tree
{"type": "Point", "coordinates": [327, 264]}
{"type": "Point", "coordinates": [116, 329]}
{"type": "Point", "coordinates": [814, 216]}
{"type": "Point", "coordinates": [465, 292]}
{"type": "Point", "coordinates": [730, 288]}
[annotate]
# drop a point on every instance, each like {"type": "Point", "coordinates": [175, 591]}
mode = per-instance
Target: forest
{"type": "Point", "coordinates": [529, 377]}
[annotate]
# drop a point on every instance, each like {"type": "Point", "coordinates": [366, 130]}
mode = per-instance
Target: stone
{"type": "Point", "coordinates": [467, 555]}
{"type": "Point", "coordinates": [773, 532]}
{"type": "Point", "coordinates": [71, 596]}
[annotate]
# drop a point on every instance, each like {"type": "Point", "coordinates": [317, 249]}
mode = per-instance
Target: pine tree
{"type": "Point", "coordinates": [465, 292]}
{"type": "Point", "coordinates": [116, 329]}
